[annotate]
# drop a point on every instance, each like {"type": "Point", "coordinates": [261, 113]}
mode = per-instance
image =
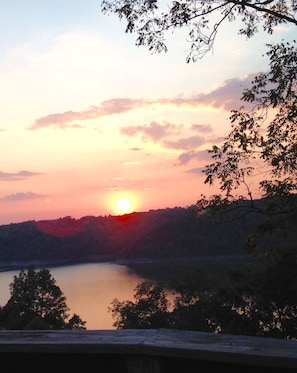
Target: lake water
{"type": "Point", "coordinates": [89, 289]}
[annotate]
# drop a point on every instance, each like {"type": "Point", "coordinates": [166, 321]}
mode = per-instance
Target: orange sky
{"type": "Point", "coordinates": [88, 118]}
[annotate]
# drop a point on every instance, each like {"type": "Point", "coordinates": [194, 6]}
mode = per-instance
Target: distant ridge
{"type": "Point", "coordinates": [163, 233]}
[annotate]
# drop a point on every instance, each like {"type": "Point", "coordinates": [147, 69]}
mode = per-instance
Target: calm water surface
{"type": "Point", "coordinates": [89, 289]}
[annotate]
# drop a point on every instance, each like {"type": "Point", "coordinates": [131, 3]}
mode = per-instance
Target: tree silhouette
{"type": "Point", "coordinates": [261, 148]}
{"type": "Point", "coordinates": [152, 19]}
{"type": "Point", "coordinates": [36, 302]}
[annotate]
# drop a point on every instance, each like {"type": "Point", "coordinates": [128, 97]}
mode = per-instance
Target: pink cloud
{"type": "Point", "coordinates": [184, 143]}
{"type": "Point", "coordinates": [227, 96]}
{"type": "Point", "coordinates": [109, 107]}
{"type": "Point", "coordinates": [186, 157]}
{"type": "Point", "coordinates": [21, 196]}
{"type": "Point", "coordinates": [10, 176]}
{"type": "Point", "coordinates": [153, 131]}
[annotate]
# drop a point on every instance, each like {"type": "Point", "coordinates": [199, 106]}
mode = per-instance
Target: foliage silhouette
{"type": "Point", "coordinates": [152, 20]}
{"type": "Point", "coordinates": [258, 300]}
{"type": "Point", "coordinates": [36, 302]}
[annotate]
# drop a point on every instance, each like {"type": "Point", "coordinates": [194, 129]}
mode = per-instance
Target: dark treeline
{"type": "Point", "coordinates": [162, 233]}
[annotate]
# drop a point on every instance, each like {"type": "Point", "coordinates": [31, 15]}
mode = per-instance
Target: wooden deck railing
{"type": "Point", "coordinates": [141, 351]}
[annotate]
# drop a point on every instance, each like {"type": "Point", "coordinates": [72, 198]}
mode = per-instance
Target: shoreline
{"type": "Point", "coordinates": [15, 266]}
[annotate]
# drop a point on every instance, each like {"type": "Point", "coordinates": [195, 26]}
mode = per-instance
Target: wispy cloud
{"type": "Point", "coordinates": [171, 135]}
{"type": "Point", "coordinates": [10, 176]}
{"type": "Point", "coordinates": [153, 131]}
{"type": "Point", "coordinates": [195, 170]}
{"type": "Point", "coordinates": [186, 157]}
{"type": "Point", "coordinates": [185, 143]}
{"type": "Point", "coordinates": [202, 128]}
{"type": "Point", "coordinates": [227, 96]}
{"type": "Point", "coordinates": [109, 107]}
{"type": "Point", "coordinates": [20, 196]}
{"type": "Point", "coordinates": [136, 149]}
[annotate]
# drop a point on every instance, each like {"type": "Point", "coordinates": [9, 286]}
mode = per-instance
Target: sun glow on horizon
{"type": "Point", "coordinates": [123, 205]}
{"type": "Point", "coordinates": [121, 202]}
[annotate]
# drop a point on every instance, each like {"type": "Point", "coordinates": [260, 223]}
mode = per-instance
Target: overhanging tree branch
{"type": "Point", "coordinates": [147, 19]}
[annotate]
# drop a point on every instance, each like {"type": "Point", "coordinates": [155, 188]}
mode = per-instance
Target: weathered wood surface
{"type": "Point", "coordinates": [257, 351]}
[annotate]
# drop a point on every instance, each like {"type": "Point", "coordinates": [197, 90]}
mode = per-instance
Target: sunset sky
{"type": "Point", "coordinates": [88, 118]}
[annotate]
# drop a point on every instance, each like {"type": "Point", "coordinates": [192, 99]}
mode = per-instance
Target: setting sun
{"type": "Point", "coordinates": [123, 204]}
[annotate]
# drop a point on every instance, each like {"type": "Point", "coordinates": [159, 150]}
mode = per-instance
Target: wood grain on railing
{"type": "Point", "coordinates": [149, 350]}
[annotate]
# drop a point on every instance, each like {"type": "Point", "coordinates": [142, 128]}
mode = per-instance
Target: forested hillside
{"type": "Point", "coordinates": [163, 233]}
